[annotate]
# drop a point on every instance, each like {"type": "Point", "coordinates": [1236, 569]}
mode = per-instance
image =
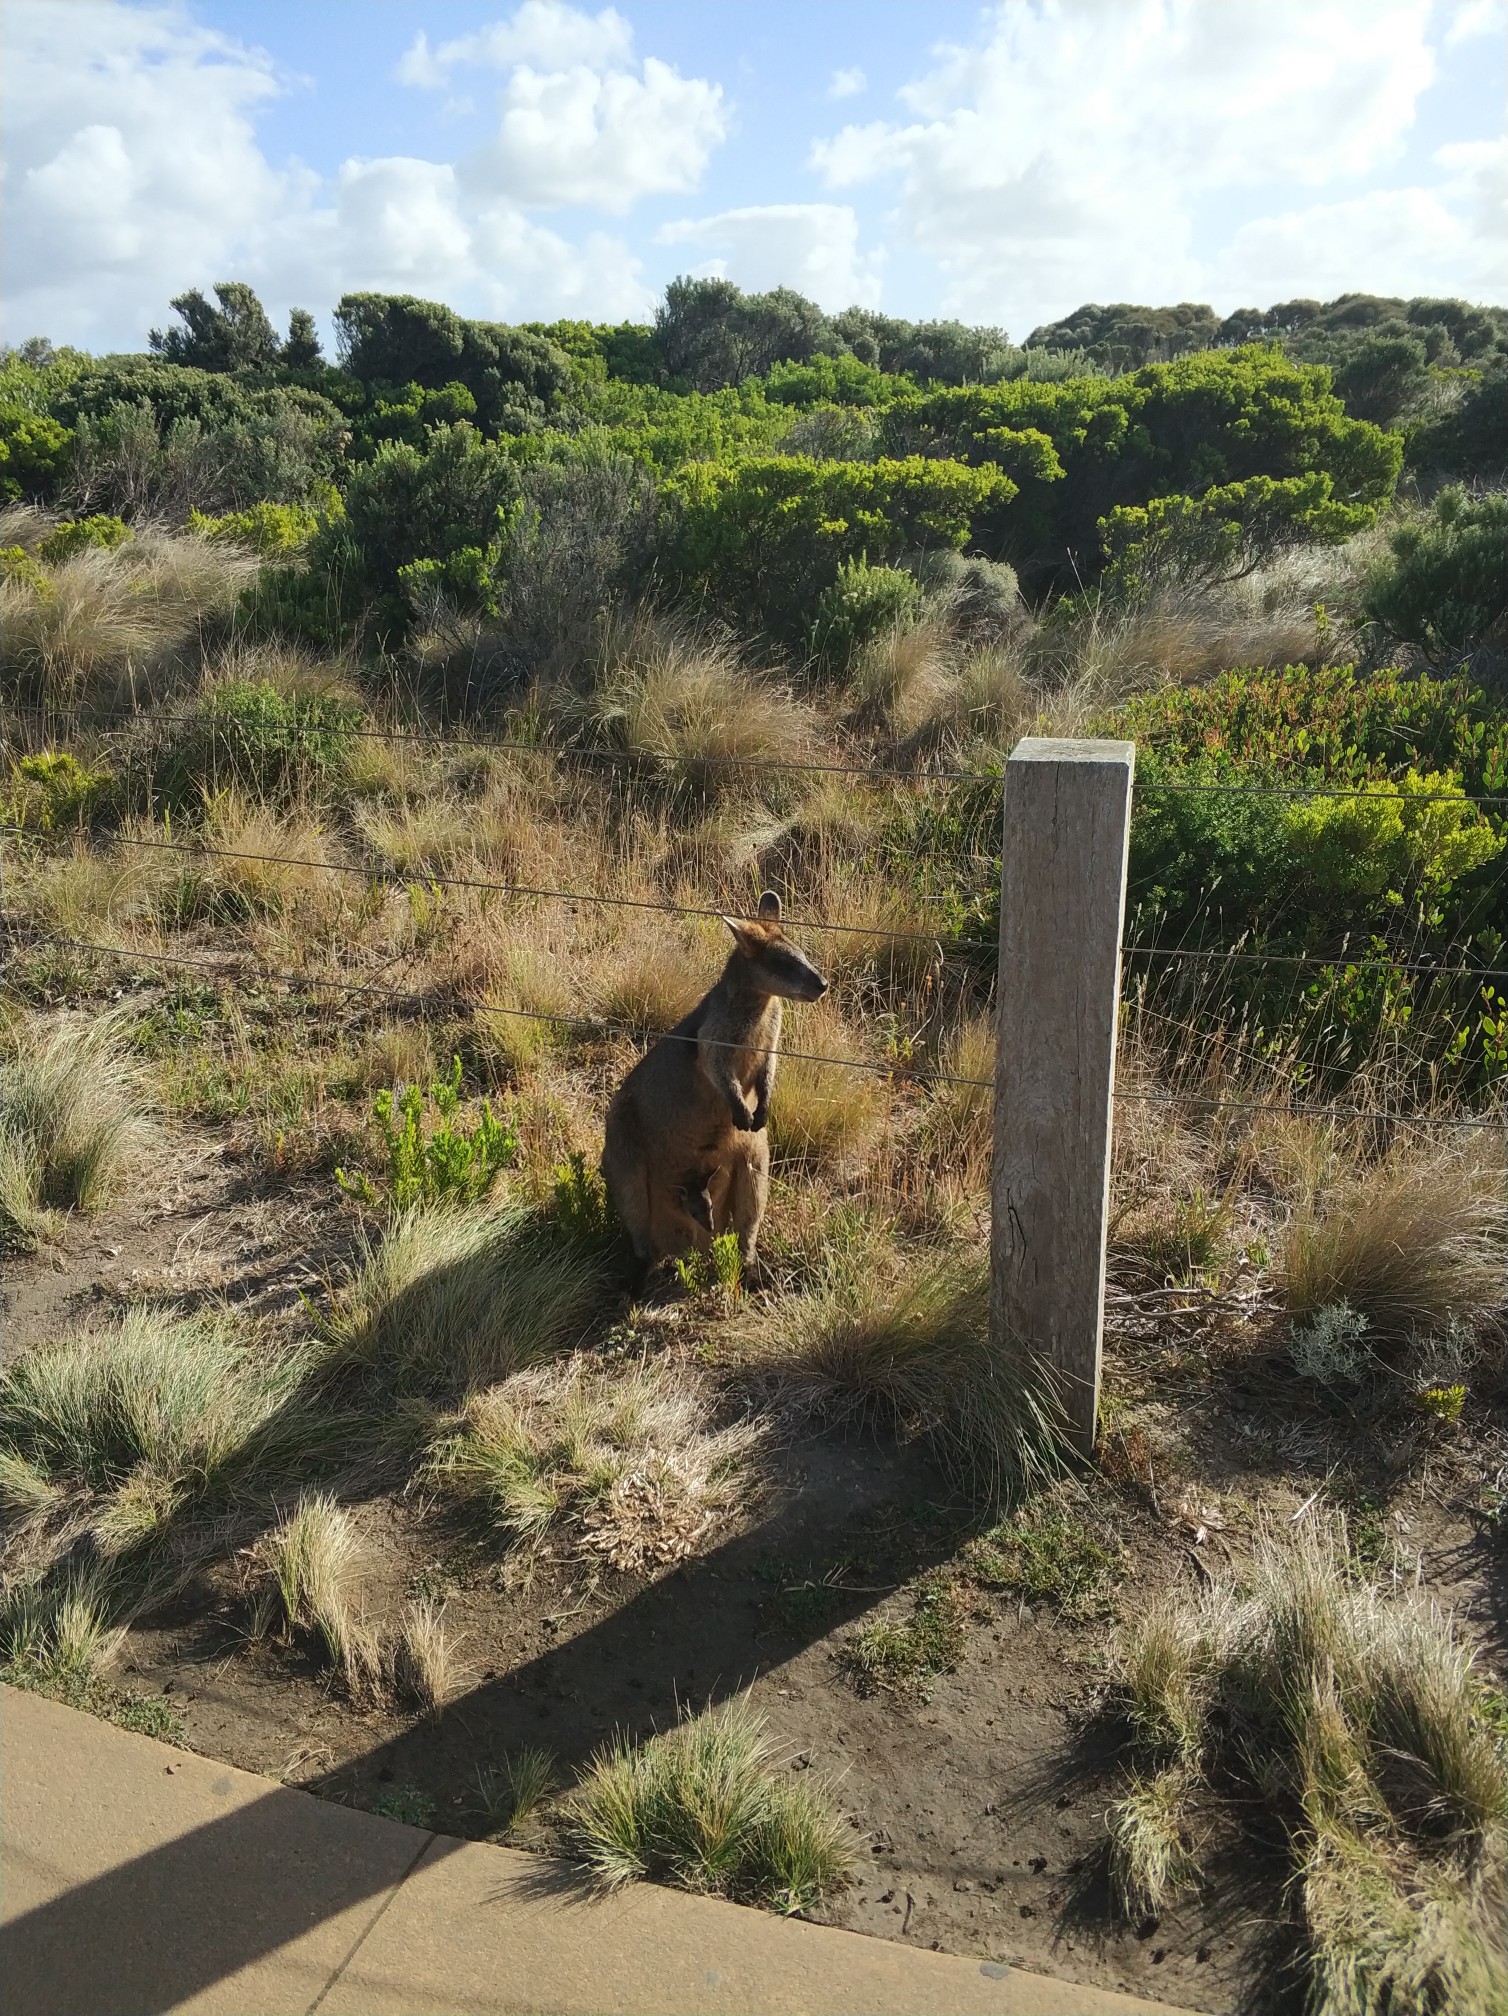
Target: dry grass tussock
{"type": "Point", "coordinates": [1360, 1718]}
{"type": "Point", "coordinates": [909, 1344]}
{"type": "Point", "coordinates": [958, 1127]}
{"type": "Point", "coordinates": [106, 624]}
{"type": "Point", "coordinates": [1178, 636]}
{"type": "Point", "coordinates": [75, 893]}
{"type": "Point", "coordinates": [900, 679]}
{"type": "Point", "coordinates": [647, 971]}
{"type": "Point", "coordinates": [424, 1658]}
{"type": "Point", "coordinates": [692, 709]}
{"type": "Point", "coordinates": [709, 1806]}
{"type": "Point", "coordinates": [121, 1428]}
{"type": "Point", "coordinates": [824, 1117]}
{"type": "Point", "coordinates": [1411, 1244]}
{"type": "Point", "coordinates": [625, 1462]}
{"type": "Point", "coordinates": [71, 1120]}
{"type": "Point", "coordinates": [260, 863]}
{"type": "Point", "coordinates": [496, 835]}
{"type": "Point", "coordinates": [453, 1299]}
{"type": "Point", "coordinates": [310, 1572]}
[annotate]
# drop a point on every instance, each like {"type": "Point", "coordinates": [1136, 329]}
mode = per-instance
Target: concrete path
{"type": "Point", "coordinates": [136, 1878]}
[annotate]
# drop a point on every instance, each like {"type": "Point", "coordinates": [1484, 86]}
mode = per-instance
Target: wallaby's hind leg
{"type": "Point", "coordinates": [748, 1191]}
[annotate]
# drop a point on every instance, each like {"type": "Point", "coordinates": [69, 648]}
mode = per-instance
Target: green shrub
{"type": "Point", "coordinates": [268, 528]}
{"type": "Point", "coordinates": [53, 789]}
{"type": "Point", "coordinates": [861, 604]}
{"type": "Point", "coordinates": [447, 1162]}
{"type": "Point", "coordinates": [17, 565]}
{"type": "Point", "coordinates": [79, 535]}
{"type": "Point", "coordinates": [33, 449]}
{"type": "Point", "coordinates": [1445, 587]}
{"type": "Point", "coordinates": [1223, 534]}
{"type": "Point", "coordinates": [763, 537]}
{"type": "Point", "coordinates": [247, 734]}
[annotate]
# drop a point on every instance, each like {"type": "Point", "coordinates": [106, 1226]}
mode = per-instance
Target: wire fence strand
{"type": "Point", "coordinates": [197, 849]}
{"type": "Point", "coordinates": [607, 753]}
{"type": "Point", "coordinates": [603, 1026]}
{"type": "Point", "coordinates": [594, 1024]}
{"type": "Point", "coordinates": [561, 751]}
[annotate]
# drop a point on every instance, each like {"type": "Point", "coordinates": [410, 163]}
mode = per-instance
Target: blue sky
{"type": "Point", "coordinates": [1001, 162]}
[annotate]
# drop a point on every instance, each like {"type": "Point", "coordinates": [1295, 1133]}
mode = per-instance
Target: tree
{"type": "Point", "coordinates": [302, 350]}
{"type": "Point", "coordinates": [390, 340]}
{"type": "Point", "coordinates": [709, 333]}
{"type": "Point", "coordinates": [943, 353]}
{"type": "Point", "coordinates": [236, 336]}
{"type": "Point", "coordinates": [1123, 337]}
{"type": "Point", "coordinates": [1383, 373]}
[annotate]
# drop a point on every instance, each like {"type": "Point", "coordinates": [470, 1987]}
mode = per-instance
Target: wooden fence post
{"type": "Point", "coordinates": [1062, 911]}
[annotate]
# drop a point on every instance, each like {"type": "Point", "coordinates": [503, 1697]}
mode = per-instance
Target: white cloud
{"type": "Point", "coordinates": [542, 31]}
{"type": "Point", "coordinates": [604, 138]}
{"type": "Point", "coordinates": [1471, 18]}
{"type": "Point", "coordinates": [578, 120]}
{"type": "Point", "coordinates": [131, 162]}
{"type": "Point", "coordinates": [134, 170]}
{"type": "Point", "coordinates": [1082, 152]}
{"type": "Point", "coordinates": [848, 84]}
{"type": "Point", "coordinates": [813, 247]}
{"type": "Point", "coordinates": [1446, 239]}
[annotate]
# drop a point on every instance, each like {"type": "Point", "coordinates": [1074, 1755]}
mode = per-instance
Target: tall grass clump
{"type": "Point", "coordinates": [113, 622]}
{"type": "Point", "coordinates": [70, 1122]}
{"type": "Point", "coordinates": [692, 710]}
{"type": "Point", "coordinates": [707, 1806]}
{"type": "Point", "coordinates": [140, 1418]}
{"type": "Point", "coordinates": [1411, 1244]}
{"type": "Point", "coordinates": [456, 1298]}
{"type": "Point", "coordinates": [56, 1633]}
{"type": "Point", "coordinates": [312, 1565]}
{"type": "Point", "coordinates": [913, 1348]}
{"type": "Point", "coordinates": [1360, 1720]}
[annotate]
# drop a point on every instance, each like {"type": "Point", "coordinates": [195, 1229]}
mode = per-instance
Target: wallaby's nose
{"type": "Point", "coordinates": [821, 988]}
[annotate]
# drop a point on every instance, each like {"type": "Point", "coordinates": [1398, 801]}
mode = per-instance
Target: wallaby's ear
{"type": "Point", "coordinates": [740, 929]}
{"type": "Point", "coordinates": [769, 906]}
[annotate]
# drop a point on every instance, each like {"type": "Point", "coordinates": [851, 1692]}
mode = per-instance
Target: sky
{"type": "Point", "coordinates": [1002, 163]}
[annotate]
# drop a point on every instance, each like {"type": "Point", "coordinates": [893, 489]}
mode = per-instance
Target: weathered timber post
{"type": "Point", "coordinates": [1062, 910]}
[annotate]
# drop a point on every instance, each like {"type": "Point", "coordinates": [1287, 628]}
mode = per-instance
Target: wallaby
{"type": "Point", "coordinates": [686, 1154]}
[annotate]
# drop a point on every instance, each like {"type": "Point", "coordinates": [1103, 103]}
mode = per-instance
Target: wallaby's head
{"type": "Point", "coordinates": [774, 964]}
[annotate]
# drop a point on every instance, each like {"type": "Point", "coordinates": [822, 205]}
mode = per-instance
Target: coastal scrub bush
{"type": "Point", "coordinates": [1445, 586]}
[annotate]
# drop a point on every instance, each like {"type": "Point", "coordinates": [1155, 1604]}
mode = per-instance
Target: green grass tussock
{"type": "Point", "coordinates": [915, 1351]}
{"type": "Point", "coordinates": [133, 1423]}
{"type": "Point", "coordinates": [453, 1299]}
{"type": "Point", "coordinates": [70, 1121]}
{"type": "Point", "coordinates": [706, 1806]}
{"type": "Point", "coordinates": [1361, 1720]}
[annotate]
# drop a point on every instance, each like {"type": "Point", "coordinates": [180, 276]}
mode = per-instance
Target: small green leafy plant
{"type": "Point", "coordinates": [444, 1162]}
{"type": "Point", "coordinates": [720, 1268]}
{"type": "Point", "coordinates": [583, 1209]}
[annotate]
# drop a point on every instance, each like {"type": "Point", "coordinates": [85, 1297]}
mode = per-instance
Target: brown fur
{"type": "Point", "coordinates": [686, 1155]}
